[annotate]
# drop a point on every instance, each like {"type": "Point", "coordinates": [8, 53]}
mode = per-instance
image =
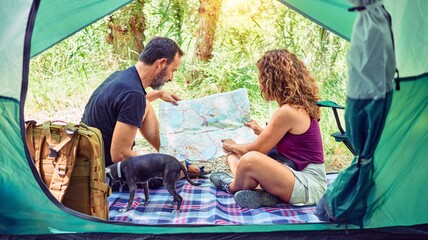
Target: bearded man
{"type": "Point", "coordinates": [120, 106]}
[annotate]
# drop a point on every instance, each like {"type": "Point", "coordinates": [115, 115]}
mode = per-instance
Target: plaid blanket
{"type": "Point", "coordinates": [204, 204]}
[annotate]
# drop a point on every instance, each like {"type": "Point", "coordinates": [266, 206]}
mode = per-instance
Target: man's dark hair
{"type": "Point", "coordinates": [160, 47]}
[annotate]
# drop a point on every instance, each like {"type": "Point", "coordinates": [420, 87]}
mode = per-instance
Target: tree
{"type": "Point", "coordinates": [208, 16]}
{"type": "Point", "coordinates": [126, 30]}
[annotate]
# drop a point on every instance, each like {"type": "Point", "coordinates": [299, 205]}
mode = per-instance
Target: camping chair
{"type": "Point", "coordinates": [341, 135]}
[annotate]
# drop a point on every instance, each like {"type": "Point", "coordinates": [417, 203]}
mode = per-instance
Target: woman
{"type": "Point", "coordinates": [292, 135]}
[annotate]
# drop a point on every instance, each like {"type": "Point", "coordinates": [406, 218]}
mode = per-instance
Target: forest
{"type": "Point", "coordinates": [222, 41]}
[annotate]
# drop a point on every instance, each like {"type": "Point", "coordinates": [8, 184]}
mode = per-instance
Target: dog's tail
{"type": "Point", "coordinates": [186, 174]}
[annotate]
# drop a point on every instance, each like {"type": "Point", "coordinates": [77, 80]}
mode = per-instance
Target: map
{"type": "Point", "coordinates": [193, 129]}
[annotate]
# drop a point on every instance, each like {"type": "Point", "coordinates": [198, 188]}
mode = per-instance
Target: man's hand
{"type": "Point", "coordinates": [169, 97]}
{"type": "Point", "coordinates": [254, 125]}
{"type": "Point", "coordinates": [164, 95]}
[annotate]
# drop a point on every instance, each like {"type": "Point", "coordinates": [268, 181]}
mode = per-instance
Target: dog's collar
{"type": "Point", "coordinates": [108, 173]}
{"type": "Point", "coordinates": [111, 181]}
{"type": "Point", "coordinates": [119, 173]}
{"type": "Point", "coordinates": [109, 177]}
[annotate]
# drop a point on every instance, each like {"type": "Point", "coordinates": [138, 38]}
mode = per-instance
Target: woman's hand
{"type": "Point", "coordinates": [227, 145]}
{"type": "Point", "coordinates": [254, 125]}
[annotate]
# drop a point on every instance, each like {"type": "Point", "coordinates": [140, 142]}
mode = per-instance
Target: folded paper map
{"type": "Point", "coordinates": [193, 129]}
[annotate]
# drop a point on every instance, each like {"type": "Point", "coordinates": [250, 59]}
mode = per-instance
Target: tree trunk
{"type": "Point", "coordinates": [127, 31]}
{"type": "Point", "coordinates": [208, 16]}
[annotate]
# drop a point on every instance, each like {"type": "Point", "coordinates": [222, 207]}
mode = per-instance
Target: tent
{"type": "Point", "coordinates": [395, 195]}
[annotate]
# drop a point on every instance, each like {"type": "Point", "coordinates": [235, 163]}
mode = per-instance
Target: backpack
{"type": "Point", "coordinates": [70, 160]}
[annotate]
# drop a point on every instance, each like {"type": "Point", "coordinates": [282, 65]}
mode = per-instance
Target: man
{"type": "Point", "coordinates": [119, 106]}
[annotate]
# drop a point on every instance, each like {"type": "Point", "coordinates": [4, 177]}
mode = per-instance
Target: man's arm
{"type": "Point", "coordinates": [121, 144]}
{"type": "Point", "coordinates": [150, 127]}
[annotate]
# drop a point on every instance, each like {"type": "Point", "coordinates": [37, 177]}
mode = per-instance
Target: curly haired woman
{"type": "Point", "coordinates": [286, 160]}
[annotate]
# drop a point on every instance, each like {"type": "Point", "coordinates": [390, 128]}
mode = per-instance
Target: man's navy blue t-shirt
{"type": "Point", "coordinates": [121, 97]}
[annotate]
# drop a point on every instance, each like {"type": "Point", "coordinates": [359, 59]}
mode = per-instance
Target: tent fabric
{"type": "Point", "coordinates": [12, 29]}
{"type": "Point", "coordinates": [371, 68]}
{"type": "Point", "coordinates": [399, 176]}
{"type": "Point", "coordinates": [371, 57]}
{"type": "Point", "coordinates": [411, 42]}
{"type": "Point", "coordinates": [332, 15]}
{"type": "Point", "coordinates": [56, 19]}
{"type": "Point", "coordinates": [398, 180]}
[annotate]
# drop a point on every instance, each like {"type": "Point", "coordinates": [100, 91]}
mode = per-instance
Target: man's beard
{"type": "Point", "coordinates": [159, 80]}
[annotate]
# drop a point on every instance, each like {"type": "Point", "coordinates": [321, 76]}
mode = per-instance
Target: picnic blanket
{"type": "Point", "coordinates": [204, 204]}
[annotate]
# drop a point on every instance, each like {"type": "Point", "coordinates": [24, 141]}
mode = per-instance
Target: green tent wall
{"type": "Point", "coordinates": [396, 200]}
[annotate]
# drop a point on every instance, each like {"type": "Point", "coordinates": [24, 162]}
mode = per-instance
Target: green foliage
{"type": "Point", "coordinates": [171, 18]}
{"type": "Point", "coordinates": [62, 78]}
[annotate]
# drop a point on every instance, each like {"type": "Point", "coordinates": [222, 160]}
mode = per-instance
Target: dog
{"type": "Point", "coordinates": [140, 169]}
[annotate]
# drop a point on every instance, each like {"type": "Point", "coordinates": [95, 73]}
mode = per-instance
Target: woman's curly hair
{"type": "Point", "coordinates": [285, 79]}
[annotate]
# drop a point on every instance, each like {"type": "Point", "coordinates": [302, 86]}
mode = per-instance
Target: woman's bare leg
{"type": "Point", "coordinates": [232, 162]}
{"type": "Point", "coordinates": [255, 168]}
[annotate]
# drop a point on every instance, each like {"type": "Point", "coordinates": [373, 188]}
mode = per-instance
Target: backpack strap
{"type": "Point", "coordinates": [29, 136]}
{"type": "Point", "coordinates": [63, 149]}
{"type": "Point", "coordinates": [34, 143]}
